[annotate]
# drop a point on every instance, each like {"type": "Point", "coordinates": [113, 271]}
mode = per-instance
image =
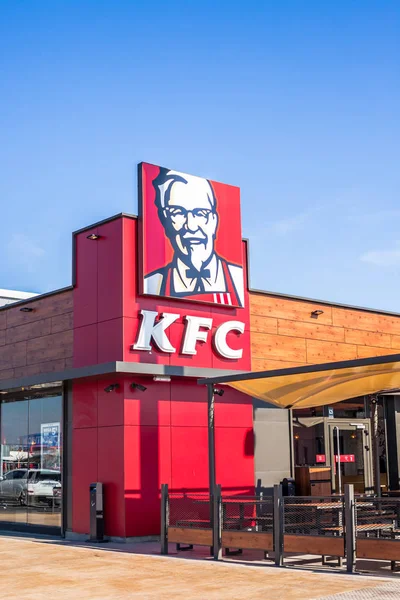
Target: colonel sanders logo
{"type": "Point", "coordinates": [187, 208]}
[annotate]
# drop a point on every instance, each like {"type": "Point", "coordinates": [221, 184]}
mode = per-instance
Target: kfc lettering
{"type": "Point", "coordinates": [196, 330]}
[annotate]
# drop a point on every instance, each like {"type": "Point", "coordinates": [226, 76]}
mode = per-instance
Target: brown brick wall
{"type": "Point", "coordinates": [39, 341]}
{"type": "Point", "coordinates": [283, 333]}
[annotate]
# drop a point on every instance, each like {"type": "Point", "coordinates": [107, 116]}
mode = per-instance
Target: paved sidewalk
{"type": "Point", "coordinates": [385, 591]}
{"type": "Point", "coordinates": [35, 569]}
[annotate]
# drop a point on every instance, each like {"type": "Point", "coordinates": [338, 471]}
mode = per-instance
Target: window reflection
{"type": "Point", "coordinates": [31, 459]}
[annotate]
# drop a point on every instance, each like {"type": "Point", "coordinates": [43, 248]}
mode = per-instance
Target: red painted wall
{"type": "Point", "coordinates": [133, 441]}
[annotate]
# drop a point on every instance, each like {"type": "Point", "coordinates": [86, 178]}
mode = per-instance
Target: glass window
{"type": "Point", "coordinates": [31, 453]}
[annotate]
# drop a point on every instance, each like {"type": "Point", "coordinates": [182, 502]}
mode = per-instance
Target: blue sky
{"type": "Point", "coordinates": [298, 103]}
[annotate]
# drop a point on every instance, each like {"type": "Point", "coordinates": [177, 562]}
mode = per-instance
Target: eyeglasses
{"type": "Point", "coordinates": [177, 213]}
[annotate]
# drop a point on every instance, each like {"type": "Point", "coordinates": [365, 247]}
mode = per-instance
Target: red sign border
{"type": "Point", "coordinates": [140, 254]}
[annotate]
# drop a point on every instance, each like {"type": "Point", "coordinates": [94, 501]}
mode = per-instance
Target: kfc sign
{"type": "Point", "coordinates": [191, 237]}
{"type": "Point", "coordinates": [154, 329]}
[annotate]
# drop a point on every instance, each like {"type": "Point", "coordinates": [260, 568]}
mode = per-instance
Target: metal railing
{"type": "Point", "coordinates": [339, 526]}
{"type": "Point", "coordinates": [307, 515]}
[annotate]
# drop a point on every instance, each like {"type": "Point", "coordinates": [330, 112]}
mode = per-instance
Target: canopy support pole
{"type": "Point", "coordinates": [211, 439]}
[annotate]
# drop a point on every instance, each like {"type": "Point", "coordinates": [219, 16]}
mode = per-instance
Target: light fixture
{"type": "Point", "coordinates": [315, 313]}
{"type": "Point", "coordinates": [353, 436]}
{"type": "Point", "coordinates": [111, 388]}
{"type": "Point", "coordinates": [26, 309]}
{"type": "Point", "coordinates": [296, 437]}
{"type": "Point", "coordinates": [219, 392]}
{"type": "Point", "coordinates": [161, 378]}
{"type": "Point", "coordinates": [138, 386]}
{"type": "Point", "coordinates": [93, 236]}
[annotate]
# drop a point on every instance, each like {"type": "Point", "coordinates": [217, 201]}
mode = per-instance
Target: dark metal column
{"type": "Point", "coordinates": [278, 525]}
{"type": "Point", "coordinates": [392, 440]}
{"type": "Point", "coordinates": [211, 440]}
{"type": "Point", "coordinates": [350, 527]}
{"type": "Point", "coordinates": [164, 518]}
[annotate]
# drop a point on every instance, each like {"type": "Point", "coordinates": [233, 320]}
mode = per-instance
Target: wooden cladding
{"type": "Point", "coordinates": [247, 540]}
{"type": "Point", "coordinates": [380, 549]}
{"type": "Point", "coordinates": [314, 544]}
{"type": "Point", "coordinates": [189, 535]}
{"type": "Point", "coordinates": [39, 341]}
{"type": "Point", "coordinates": [284, 333]}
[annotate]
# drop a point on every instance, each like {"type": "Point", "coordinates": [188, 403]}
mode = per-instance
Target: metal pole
{"type": "Point", "coordinates": [350, 529]}
{"type": "Point", "coordinates": [211, 457]}
{"type": "Point", "coordinates": [338, 460]}
{"type": "Point", "coordinates": [375, 445]}
{"type": "Point", "coordinates": [211, 440]}
{"type": "Point", "coordinates": [164, 518]}
{"type": "Point", "coordinates": [217, 523]}
{"type": "Point", "coordinates": [278, 525]}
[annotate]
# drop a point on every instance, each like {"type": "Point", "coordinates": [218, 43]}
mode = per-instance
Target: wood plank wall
{"type": "Point", "coordinates": [40, 341]}
{"type": "Point", "coordinates": [283, 333]}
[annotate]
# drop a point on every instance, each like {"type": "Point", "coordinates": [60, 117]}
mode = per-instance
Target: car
{"type": "Point", "coordinates": [13, 484]}
{"type": "Point", "coordinates": [29, 486]}
{"type": "Point", "coordinates": [40, 486]}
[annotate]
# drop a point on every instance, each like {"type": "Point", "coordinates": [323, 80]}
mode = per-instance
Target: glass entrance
{"type": "Point", "coordinates": [31, 458]}
{"type": "Point", "coordinates": [350, 454]}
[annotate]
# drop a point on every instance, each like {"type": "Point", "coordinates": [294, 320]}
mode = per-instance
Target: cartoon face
{"type": "Point", "coordinates": [187, 209]}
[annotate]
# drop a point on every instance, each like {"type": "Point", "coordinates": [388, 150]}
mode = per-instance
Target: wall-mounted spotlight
{"type": "Point", "coordinates": [161, 378]}
{"type": "Point", "coordinates": [315, 313]}
{"type": "Point", "coordinates": [138, 386]}
{"type": "Point", "coordinates": [93, 236]}
{"type": "Point", "coordinates": [219, 392]}
{"type": "Point", "coordinates": [26, 309]}
{"type": "Point", "coordinates": [112, 387]}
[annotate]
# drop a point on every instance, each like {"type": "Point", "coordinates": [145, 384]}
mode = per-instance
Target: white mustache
{"type": "Point", "coordinates": [188, 236]}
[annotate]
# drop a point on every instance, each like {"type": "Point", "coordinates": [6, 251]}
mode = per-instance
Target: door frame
{"type": "Point", "coordinates": [350, 425]}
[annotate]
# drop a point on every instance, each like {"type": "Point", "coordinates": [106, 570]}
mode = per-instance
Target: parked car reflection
{"type": "Point", "coordinates": [30, 486]}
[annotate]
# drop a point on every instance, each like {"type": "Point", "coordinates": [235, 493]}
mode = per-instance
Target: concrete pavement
{"type": "Point", "coordinates": [38, 568]}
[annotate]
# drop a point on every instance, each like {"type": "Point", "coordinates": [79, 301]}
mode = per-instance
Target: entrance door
{"type": "Point", "coordinates": [350, 452]}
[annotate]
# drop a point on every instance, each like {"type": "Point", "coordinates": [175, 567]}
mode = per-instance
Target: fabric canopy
{"type": "Point", "coordinates": [318, 388]}
{"type": "Point", "coordinates": [318, 385]}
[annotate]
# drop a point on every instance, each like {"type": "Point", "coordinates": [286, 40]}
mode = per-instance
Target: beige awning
{"type": "Point", "coordinates": [318, 385]}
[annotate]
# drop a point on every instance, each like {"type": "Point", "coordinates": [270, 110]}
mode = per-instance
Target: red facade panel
{"type": "Point", "coordinates": [84, 412]}
{"type": "Point", "coordinates": [111, 474]}
{"type": "Point", "coordinates": [84, 472]}
{"type": "Point", "coordinates": [134, 440]}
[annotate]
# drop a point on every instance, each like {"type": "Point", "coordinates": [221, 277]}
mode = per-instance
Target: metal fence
{"type": "Point", "coordinates": [247, 513]}
{"type": "Point", "coordinates": [306, 515]}
{"type": "Point", "coordinates": [377, 518]}
{"type": "Point", "coordinates": [334, 526]}
{"type": "Point", "coordinates": [190, 510]}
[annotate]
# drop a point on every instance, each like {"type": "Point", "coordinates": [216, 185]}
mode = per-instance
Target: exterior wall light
{"type": "Point", "coordinates": [315, 313]}
{"type": "Point", "coordinates": [93, 236]}
{"type": "Point", "coordinates": [161, 378]}
{"type": "Point", "coordinates": [112, 387]}
{"type": "Point", "coordinates": [26, 309]}
{"type": "Point", "coordinates": [138, 386]}
{"type": "Point", "coordinates": [219, 392]}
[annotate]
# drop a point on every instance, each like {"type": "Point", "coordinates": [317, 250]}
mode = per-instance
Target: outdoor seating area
{"type": "Point", "coordinates": [345, 527]}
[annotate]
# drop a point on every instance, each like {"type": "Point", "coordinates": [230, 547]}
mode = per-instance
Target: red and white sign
{"type": "Point", "coordinates": [345, 458]}
{"type": "Point", "coordinates": [191, 237]}
{"type": "Point", "coordinates": [153, 328]}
